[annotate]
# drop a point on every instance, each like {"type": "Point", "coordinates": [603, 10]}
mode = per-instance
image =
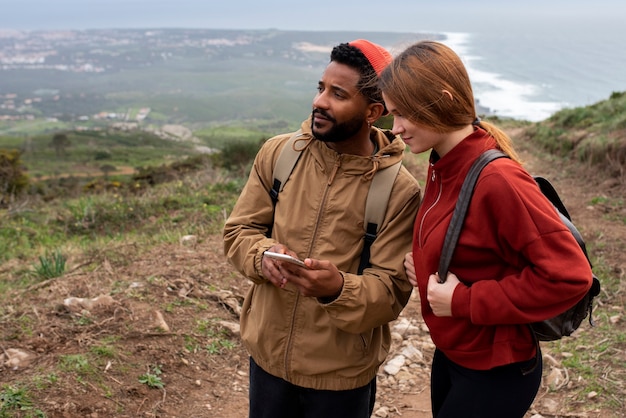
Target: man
{"type": "Point", "coordinates": [317, 334]}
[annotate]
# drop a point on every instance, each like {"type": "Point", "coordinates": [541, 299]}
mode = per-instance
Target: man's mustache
{"type": "Point", "coordinates": [323, 113]}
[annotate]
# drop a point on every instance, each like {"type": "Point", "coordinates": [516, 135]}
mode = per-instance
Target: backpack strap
{"type": "Point", "coordinates": [462, 203]}
{"type": "Point", "coordinates": [550, 192]}
{"type": "Point", "coordinates": [285, 163]}
{"type": "Point", "coordinates": [287, 160]}
{"type": "Point", "coordinates": [375, 208]}
{"type": "Point", "coordinates": [375, 205]}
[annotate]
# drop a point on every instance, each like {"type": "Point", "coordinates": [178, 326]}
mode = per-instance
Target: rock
{"type": "Point", "coordinates": [404, 327]}
{"type": "Point", "coordinates": [189, 240]}
{"type": "Point", "coordinates": [15, 358]}
{"type": "Point", "coordinates": [382, 412]}
{"type": "Point", "coordinates": [393, 366]}
{"type": "Point", "coordinates": [550, 405]}
{"type": "Point", "coordinates": [159, 322]}
{"type": "Point", "coordinates": [555, 378]}
{"type": "Point", "coordinates": [412, 353]}
{"type": "Point", "coordinates": [233, 327]}
{"type": "Point", "coordinates": [78, 304]}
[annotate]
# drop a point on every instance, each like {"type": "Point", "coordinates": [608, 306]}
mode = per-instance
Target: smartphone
{"type": "Point", "coordinates": [285, 257]}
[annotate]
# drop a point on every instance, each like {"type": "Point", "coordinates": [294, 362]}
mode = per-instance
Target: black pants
{"type": "Point", "coordinates": [500, 392]}
{"type": "Point", "coordinates": [273, 397]}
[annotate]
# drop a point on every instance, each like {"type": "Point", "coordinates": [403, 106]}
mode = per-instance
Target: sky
{"type": "Point", "coordinates": [319, 15]}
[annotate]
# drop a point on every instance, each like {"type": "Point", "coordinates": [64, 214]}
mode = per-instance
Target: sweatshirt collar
{"type": "Point", "coordinates": [460, 158]}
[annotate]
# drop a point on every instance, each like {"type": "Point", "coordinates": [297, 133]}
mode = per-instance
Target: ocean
{"type": "Point", "coordinates": [534, 72]}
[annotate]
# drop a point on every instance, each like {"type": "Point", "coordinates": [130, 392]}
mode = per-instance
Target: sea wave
{"type": "Point", "coordinates": [502, 97]}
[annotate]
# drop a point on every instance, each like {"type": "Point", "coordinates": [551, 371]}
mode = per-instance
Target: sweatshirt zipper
{"type": "Point", "coordinates": [433, 178]}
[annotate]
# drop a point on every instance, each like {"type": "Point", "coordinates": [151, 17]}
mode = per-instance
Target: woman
{"type": "Point", "coordinates": [515, 262]}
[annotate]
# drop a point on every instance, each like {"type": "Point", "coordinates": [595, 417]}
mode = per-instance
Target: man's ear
{"type": "Point", "coordinates": [375, 111]}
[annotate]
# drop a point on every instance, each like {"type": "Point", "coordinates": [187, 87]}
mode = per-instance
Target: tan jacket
{"type": "Point", "coordinates": [319, 214]}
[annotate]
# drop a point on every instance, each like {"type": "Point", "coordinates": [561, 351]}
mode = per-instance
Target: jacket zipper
{"type": "Point", "coordinates": [433, 178]}
{"type": "Point", "coordinates": [290, 338]}
{"type": "Point", "coordinates": [288, 350]}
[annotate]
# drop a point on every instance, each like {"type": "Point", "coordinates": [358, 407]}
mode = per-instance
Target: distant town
{"type": "Point", "coordinates": [132, 74]}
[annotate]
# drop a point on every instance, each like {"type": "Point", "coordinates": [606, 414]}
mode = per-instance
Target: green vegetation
{"type": "Point", "coordinates": [218, 338]}
{"type": "Point", "coordinates": [594, 135]}
{"type": "Point", "coordinates": [152, 379]}
{"type": "Point", "coordinates": [13, 179]}
{"type": "Point", "coordinates": [15, 400]}
{"type": "Point", "coordinates": [51, 265]}
{"type": "Point", "coordinates": [76, 363]}
{"type": "Point", "coordinates": [80, 153]}
{"type": "Point", "coordinates": [174, 196]}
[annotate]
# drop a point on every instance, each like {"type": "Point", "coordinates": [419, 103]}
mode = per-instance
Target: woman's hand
{"type": "Point", "coordinates": [439, 295]}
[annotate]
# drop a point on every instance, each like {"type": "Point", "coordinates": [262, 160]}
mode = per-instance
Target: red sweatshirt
{"type": "Point", "coordinates": [516, 261]}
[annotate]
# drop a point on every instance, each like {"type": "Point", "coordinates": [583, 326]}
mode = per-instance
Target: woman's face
{"type": "Point", "coordinates": [417, 138]}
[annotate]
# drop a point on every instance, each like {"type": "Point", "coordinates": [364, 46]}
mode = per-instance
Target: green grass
{"type": "Point", "coordinates": [164, 213]}
{"type": "Point", "coordinates": [51, 265]}
{"type": "Point", "coordinates": [76, 363]}
{"type": "Point", "coordinates": [591, 134]}
{"type": "Point", "coordinates": [581, 353]}
{"type": "Point", "coordinates": [84, 155]}
{"type": "Point", "coordinates": [16, 400]}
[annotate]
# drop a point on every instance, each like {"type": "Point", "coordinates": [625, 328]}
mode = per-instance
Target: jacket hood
{"type": "Point", "coordinates": [390, 150]}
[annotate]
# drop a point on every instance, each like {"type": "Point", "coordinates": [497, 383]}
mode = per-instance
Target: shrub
{"type": "Point", "coordinates": [51, 265]}
{"type": "Point", "coordinates": [237, 155]}
{"type": "Point", "coordinates": [13, 178]}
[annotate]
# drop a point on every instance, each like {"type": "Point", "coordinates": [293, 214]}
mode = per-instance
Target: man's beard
{"type": "Point", "coordinates": [339, 131]}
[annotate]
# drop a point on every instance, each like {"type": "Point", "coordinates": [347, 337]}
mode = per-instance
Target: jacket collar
{"type": "Point", "coordinates": [390, 150]}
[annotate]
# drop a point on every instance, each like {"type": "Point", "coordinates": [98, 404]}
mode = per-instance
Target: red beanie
{"type": "Point", "coordinates": [378, 56]}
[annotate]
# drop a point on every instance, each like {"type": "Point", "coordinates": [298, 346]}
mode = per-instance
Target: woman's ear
{"type": "Point", "coordinates": [446, 92]}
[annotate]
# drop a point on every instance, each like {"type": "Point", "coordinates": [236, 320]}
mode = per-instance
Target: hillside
{"type": "Point", "coordinates": [121, 303]}
{"type": "Point", "coordinates": [196, 77]}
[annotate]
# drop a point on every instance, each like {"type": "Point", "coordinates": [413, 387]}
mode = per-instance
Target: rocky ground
{"type": "Point", "coordinates": [133, 332]}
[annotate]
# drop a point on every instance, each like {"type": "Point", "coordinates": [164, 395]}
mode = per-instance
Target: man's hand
{"type": "Point", "coordinates": [409, 267]}
{"type": "Point", "coordinates": [320, 280]}
{"type": "Point", "coordinates": [270, 267]}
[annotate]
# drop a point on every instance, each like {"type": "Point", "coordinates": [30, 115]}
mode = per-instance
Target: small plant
{"type": "Point", "coordinates": [104, 350]}
{"type": "Point", "coordinates": [51, 265]}
{"type": "Point", "coordinates": [218, 346]}
{"type": "Point", "coordinates": [76, 363]}
{"type": "Point", "coordinates": [14, 399]}
{"type": "Point", "coordinates": [152, 379]}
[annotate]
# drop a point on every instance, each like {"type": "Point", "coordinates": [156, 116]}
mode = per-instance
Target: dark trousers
{"type": "Point", "coordinates": [503, 391]}
{"type": "Point", "coordinates": [273, 397]}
